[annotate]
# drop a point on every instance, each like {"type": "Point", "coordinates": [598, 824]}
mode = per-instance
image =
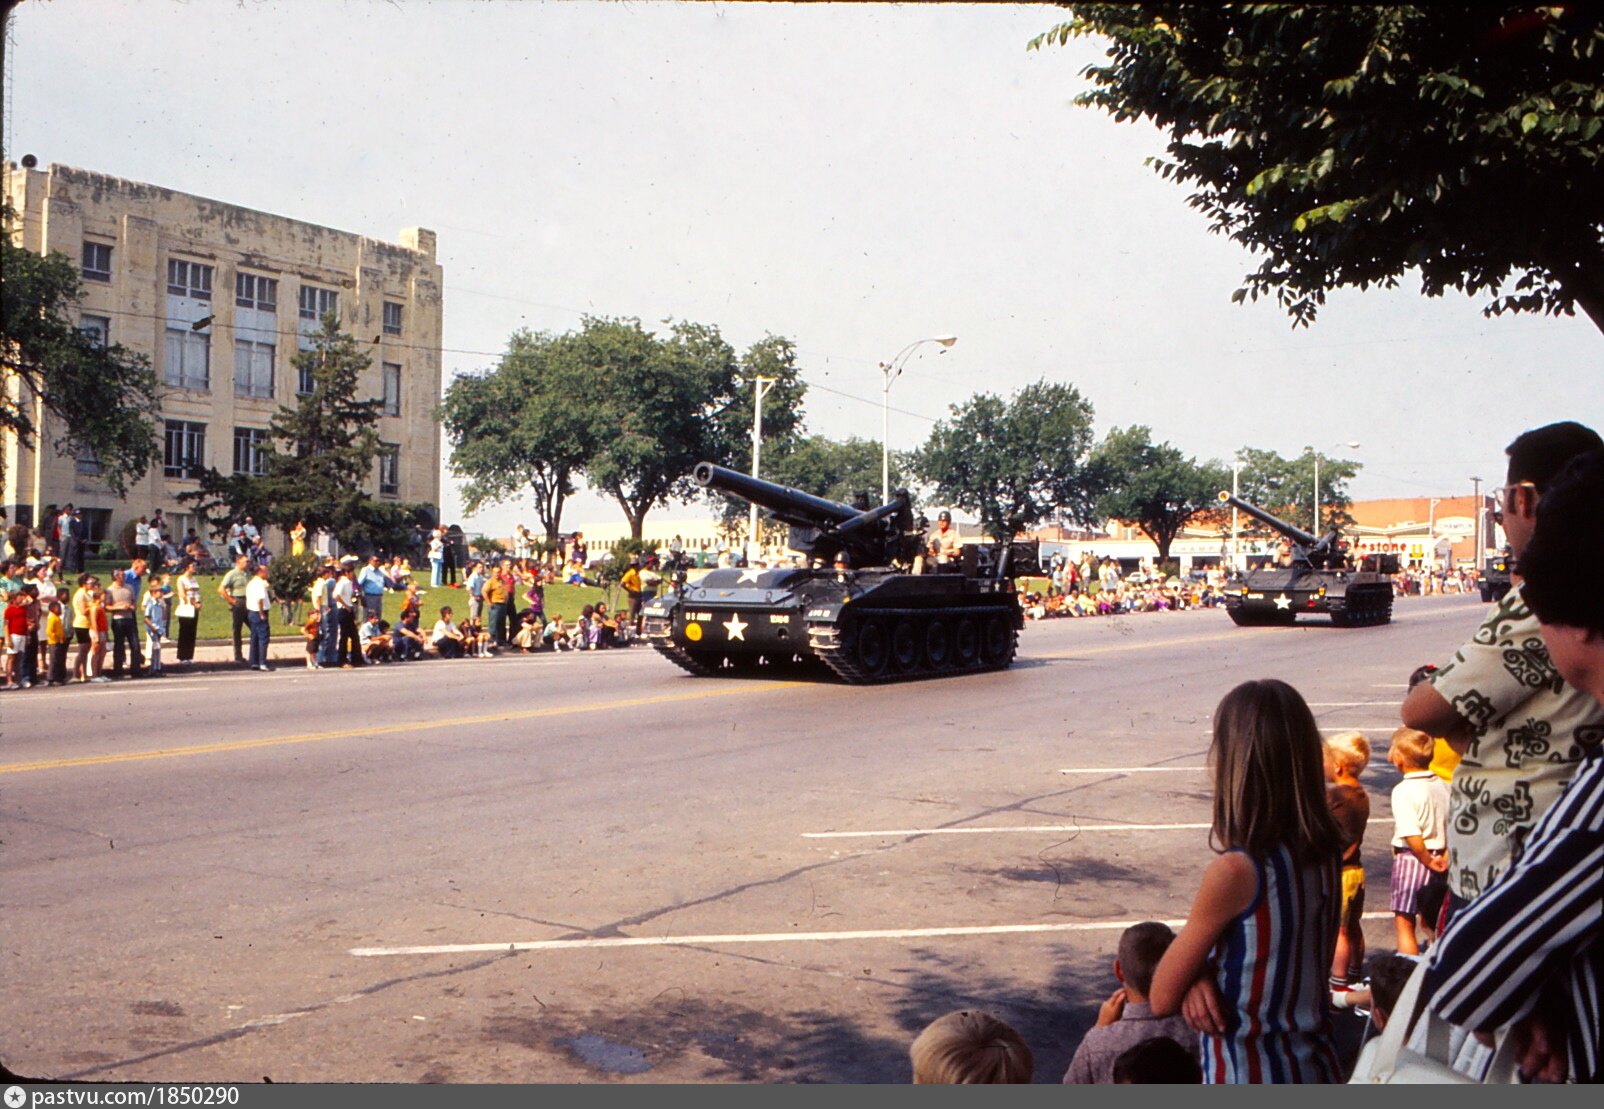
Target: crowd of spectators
{"type": "Point", "coordinates": [1496, 878]}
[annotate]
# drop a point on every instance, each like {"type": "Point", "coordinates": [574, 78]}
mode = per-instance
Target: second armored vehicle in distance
{"type": "Point", "coordinates": [1320, 578]}
{"type": "Point", "coordinates": [858, 608]}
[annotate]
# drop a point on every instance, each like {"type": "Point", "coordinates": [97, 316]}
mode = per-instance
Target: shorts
{"type": "Point", "coordinates": [1409, 877]}
{"type": "Point", "coordinates": [81, 635]}
{"type": "Point", "coordinates": [17, 644]}
{"type": "Point", "coordinates": [1353, 897]}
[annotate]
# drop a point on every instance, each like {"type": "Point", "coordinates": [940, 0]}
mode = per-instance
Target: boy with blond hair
{"type": "Point", "coordinates": [1419, 830]}
{"type": "Point", "coordinates": [970, 1047]}
{"type": "Point", "coordinates": [1347, 755]}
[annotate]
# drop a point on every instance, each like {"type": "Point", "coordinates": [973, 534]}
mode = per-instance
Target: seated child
{"type": "Point", "coordinates": [528, 637]}
{"type": "Point", "coordinates": [475, 639]}
{"type": "Point", "coordinates": [1420, 830]}
{"type": "Point", "coordinates": [374, 637]}
{"type": "Point", "coordinates": [970, 1047]}
{"type": "Point", "coordinates": [312, 631]}
{"type": "Point", "coordinates": [557, 635]}
{"type": "Point", "coordinates": [447, 637]}
{"type": "Point", "coordinates": [1125, 1019]}
{"type": "Point", "coordinates": [1347, 754]}
{"type": "Point", "coordinates": [1159, 1060]}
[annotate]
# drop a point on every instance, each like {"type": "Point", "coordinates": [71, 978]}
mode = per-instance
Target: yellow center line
{"type": "Point", "coordinates": [392, 729]}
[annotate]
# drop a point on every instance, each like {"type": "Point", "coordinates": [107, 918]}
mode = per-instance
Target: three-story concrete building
{"type": "Point", "coordinates": [220, 298]}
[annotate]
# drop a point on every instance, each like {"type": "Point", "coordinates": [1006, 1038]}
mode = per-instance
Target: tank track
{"type": "Point", "coordinates": [1375, 608]}
{"type": "Point", "coordinates": [843, 651]}
{"type": "Point", "coordinates": [682, 658]}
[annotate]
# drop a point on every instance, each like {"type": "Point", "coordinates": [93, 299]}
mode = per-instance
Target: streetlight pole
{"type": "Point", "coordinates": [1236, 550]}
{"type": "Point", "coordinates": [892, 370]}
{"type": "Point", "coordinates": [760, 388]}
{"type": "Point", "coordinates": [1351, 446]}
{"type": "Point", "coordinates": [1478, 551]}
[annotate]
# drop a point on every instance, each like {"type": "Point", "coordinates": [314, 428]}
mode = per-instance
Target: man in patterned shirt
{"type": "Point", "coordinates": [1520, 727]}
{"type": "Point", "coordinates": [1529, 954]}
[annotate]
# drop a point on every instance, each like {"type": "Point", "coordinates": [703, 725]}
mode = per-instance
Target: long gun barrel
{"type": "Point", "coordinates": [1296, 534]}
{"type": "Point", "coordinates": [790, 506]}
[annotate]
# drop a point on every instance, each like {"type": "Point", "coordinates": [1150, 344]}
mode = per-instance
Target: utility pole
{"type": "Point", "coordinates": [760, 386]}
{"type": "Point", "coordinates": [1479, 552]}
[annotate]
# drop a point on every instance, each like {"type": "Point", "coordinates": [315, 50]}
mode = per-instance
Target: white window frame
{"type": "Point", "coordinates": [189, 279]}
{"type": "Point", "coordinates": [392, 308]}
{"type": "Point", "coordinates": [314, 302]}
{"type": "Point", "coordinates": [252, 290]}
{"type": "Point", "coordinates": [192, 448]}
{"type": "Point", "coordinates": [256, 360]}
{"type": "Point", "coordinates": [253, 439]}
{"type": "Point", "coordinates": [97, 328]}
{"type": "Point", "coordinates": [389, 469]}
{"type": "Point", "coordinates": [390, 373]}
{"type": "Point", "coordinates": [190, 345]}
{"type": "Point", "coordinates": [92, 272]}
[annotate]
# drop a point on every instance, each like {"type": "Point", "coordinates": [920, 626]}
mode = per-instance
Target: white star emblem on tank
{"type": "Point", "coordinates": [1283, 602]}
{"type": "Point", "coordinates": [734, 628]}
{"type": "Point", "coordinates": [749, 575]}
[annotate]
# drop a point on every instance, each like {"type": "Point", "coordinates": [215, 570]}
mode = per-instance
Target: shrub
{"type": "Point", "coordinates": [19, 535]}
{"type": "Point", "coordinates": [290, 576]}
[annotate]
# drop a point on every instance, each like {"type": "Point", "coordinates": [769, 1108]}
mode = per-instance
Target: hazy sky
{"type": "Point", "coordinates": [854, 177]}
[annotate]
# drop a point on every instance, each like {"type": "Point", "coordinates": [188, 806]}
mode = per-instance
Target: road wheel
{"type": "Point", "coordinates": [938, 645]}
{"type": "Point", "coordinates": [871, 649]}
{"type": "Point", "coordinates": [905, 645]}
{"type": "Point", "coordinates": [966, 642]}
{"type": "Point", "coordinates": [997, 641]}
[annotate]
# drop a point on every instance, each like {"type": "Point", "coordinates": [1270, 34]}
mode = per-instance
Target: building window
{"type": "Point", "coordinates": [86, 462]}
{"type": "Point", "coordinates": [184, 453]}
{"type": "Point", "coordinates": [392, 389]}
{"type": "Point", "coordinates": [98, 328]}
{"type": "Point", "coordinates": [189, 279]}
{"type": "Point", "coordinates": [253, 369]}
{"type": "Point", "coordinates": [97, 261]}
{"type": "Point", "coordinates": [249, 448]}
{"type": "Point", "coordinates": [305, 380]}
{"type": "Point", "coordinates": [189, 359]}
{"type": "Point", "coordinates": [389, 470]}
{"type": "Point", "coordinates": [316, 303]}
{"type": "Point", "coordinates": [252, 291]}
{"type": "Point", "coordinates": [392, 318]}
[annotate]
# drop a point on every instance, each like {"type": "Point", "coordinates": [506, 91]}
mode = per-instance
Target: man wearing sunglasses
{"type": "Point", "coordinates": [1521, 730]}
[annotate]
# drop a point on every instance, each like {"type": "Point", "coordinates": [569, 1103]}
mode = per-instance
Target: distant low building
{"type": "Point", "coordinates": [219, 298]}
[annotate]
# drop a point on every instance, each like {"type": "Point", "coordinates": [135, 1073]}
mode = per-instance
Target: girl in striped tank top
{"type": "Point", "coordinates": [1249, 969]}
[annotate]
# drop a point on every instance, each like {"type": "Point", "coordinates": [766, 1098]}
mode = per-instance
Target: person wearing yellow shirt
{"type": "Point", "coordinates": [56, 645]}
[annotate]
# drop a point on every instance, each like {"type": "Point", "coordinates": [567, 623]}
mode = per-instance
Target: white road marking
{"type": "Point", "coordinates": [764, 937]}
{"type": "Point", "coordinates": [1130, 769]}
{"type": "Point", "coordinates": [1002, 831]}
{"type": "Point", "coordinates": [1352, 704]}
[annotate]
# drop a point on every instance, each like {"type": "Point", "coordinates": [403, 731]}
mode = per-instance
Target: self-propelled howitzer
{"type": "Point", "coordinates": [866, 606]}
{"type": "Point", "coordinates": [1316, 576]}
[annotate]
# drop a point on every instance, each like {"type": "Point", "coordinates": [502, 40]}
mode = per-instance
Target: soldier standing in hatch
{"type": "Point", "coordinates": [944, 541]}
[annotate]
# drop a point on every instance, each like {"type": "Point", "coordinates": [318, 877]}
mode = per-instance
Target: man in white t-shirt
{"type": "Point", "coordinates": [447, 637]}
{"type": "Point", "coordinates": [258, 602]}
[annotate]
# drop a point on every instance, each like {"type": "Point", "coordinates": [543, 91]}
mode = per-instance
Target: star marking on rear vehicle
{"type": "Point", "coordinates": [735, 628]}
{"type": "Point", "coordinates": [1283, 602]}
{"type": "Point", "coordinates": [749, 575]}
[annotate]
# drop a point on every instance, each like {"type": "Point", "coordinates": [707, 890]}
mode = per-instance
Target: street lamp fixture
{"type": "Point", "coordinates": [1350, 445]}
{"type": "Point", "coordinates": [891, 371]}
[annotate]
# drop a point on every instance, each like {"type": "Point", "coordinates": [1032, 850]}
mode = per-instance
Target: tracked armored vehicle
{"type": "Point", "coordinates": [1321, 580]}
{"type": "Point", "coordinates": [858, 609]}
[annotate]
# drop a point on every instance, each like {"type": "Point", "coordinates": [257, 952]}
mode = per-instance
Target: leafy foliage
{"type": "Point", "coordinates": [1284, 487]}
{"type": "Point", "coordinates": [319, 458]}
{"type": "Point", "coordinates": [529, 424]}
{"type": "Point", "coordinates": [837, 470]}
{"type": "Point", "coordinates": [106, 398]}
{"type": "Point", "coordinates": [1013, 463]}
{"type": "Point", "coordinates": [1350, 144]}
{"type": "Point", "coordinates": [1154, 486]}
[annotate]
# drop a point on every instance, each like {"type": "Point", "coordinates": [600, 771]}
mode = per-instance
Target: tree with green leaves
{"type": "Point", "coordinates": [836, 469]}
{"type": "Point", "coordinates": [318, 459]}
{"type": "Point", "coordinates": [529, 425]}
{"type": "Point", "coordinates": [1153, 485]}
{"type": "Point", "coordinates": [662, 404]}
{"type": "Point", "coordinates": [1013, 463]}
{"type": "Point", "coordinates": [106, 399]}
{"type": "Point", "coordinates": [1349, 144]}
{"type": "Point", "coordinates": [1284, 487]}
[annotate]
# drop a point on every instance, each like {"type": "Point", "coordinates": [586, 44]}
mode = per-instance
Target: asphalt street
{"type": "Point", "coordinates": [598, 868]}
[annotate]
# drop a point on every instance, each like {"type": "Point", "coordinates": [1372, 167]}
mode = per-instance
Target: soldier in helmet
{"type": "Point", "coordinates": [944, 541]}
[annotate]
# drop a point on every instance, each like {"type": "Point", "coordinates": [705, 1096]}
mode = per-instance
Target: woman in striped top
{"type": "Point", "coordinates": [1248, 971]}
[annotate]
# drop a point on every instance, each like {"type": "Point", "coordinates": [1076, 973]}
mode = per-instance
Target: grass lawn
{"type": "Point", "coordinates": [215, 622]}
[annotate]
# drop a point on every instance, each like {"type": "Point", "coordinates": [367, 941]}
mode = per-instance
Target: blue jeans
{"type": "Point", "coordinates": [437, 571]}
{"type": "Point", "coordinates": [328, 637]}
{"type": "Point", "coordinates": [259, 637]}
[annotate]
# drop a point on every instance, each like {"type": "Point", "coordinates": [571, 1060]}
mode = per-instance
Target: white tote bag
{"type": "Point", "coordinates": [1429, 1054]}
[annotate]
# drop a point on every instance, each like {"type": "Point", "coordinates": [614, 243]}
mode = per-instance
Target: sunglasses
{"type": "Point", "coordinates": [1501, 499]}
